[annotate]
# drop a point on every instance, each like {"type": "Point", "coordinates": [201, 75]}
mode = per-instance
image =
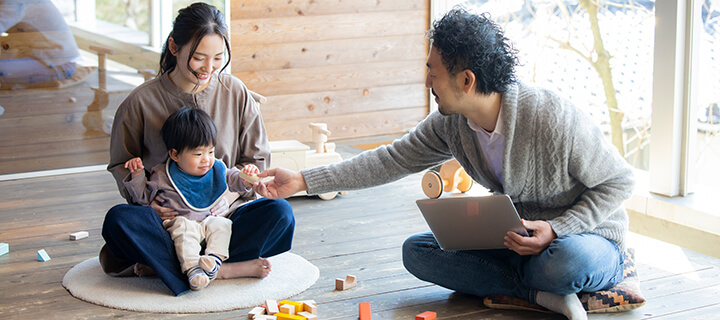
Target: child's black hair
{"type": "Point", "coordinates": [188, 128]}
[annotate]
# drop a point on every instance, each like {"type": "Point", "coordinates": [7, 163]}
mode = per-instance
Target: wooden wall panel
{"type": "Point", "coordinates": [357, 65]}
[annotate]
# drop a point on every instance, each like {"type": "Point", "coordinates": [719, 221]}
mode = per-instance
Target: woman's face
{"type": "Point", "coordinates": [207, 58]}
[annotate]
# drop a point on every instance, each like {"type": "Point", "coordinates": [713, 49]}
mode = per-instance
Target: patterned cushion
{"type": "Point", "coordinates": [624, 296]}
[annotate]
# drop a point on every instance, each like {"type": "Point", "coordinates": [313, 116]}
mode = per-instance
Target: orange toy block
{"type": "Point", "coordinates": [285, 316]}
{"type": "Point", "coordinates": [271, 306]}
{"type": "Point", "coordinates": [427, 315]}
{"type": "Point", "coordinates": [365, 311]}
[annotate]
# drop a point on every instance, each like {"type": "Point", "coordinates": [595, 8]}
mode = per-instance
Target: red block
{"type": "Point", "coordinates": [427, 315]}
{"type": "Point", "coordinates": [365, 311]}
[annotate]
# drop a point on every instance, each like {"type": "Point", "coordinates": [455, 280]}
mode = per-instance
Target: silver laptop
{"type": "Point", "coordinates": [471, 223]}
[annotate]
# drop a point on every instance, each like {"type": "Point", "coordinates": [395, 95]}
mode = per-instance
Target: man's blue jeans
{"type": "Point", "coordinates": [572, 263]}
{"type": "Point", "coordinates": [134, 234]}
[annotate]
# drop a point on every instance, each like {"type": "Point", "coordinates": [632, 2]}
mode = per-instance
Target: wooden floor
{"type": "Point", "coordinates": [360, 234]}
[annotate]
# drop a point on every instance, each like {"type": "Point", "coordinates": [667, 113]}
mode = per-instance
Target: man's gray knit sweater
{"type": "Point", "coordinates": [557, 166]}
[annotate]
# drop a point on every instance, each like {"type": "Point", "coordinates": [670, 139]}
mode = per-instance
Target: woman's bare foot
{"type": "Point", "coordinates": [258, 268]}
{"type": "Point", "coordinates": [142, 270]}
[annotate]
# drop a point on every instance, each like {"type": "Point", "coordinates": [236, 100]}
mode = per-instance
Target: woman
{"type": "Point", "coordinates": [191, 75]}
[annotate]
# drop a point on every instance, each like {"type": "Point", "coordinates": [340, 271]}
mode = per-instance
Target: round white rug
{"type": "Point", "coordinates": [290, 275]}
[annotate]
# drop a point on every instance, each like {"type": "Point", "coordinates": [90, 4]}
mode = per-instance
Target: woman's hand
{"type": "Point", "coordinates": [543, 234]}
{"type": "Point", "coordinates": [285, 184]}
{"type": "Point", "coordinates": [162, 212]}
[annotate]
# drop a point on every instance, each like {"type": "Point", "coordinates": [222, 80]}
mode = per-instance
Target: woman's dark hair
{"type": "Point", "coordinates": [475, 42]}
{"type": "Point", "coordinates": [192, 24]}
{"type": "Point", "coordinates": [188, 128]}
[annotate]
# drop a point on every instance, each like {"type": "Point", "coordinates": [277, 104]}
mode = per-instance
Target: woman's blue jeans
{"type": "Point", "coordinates": [571, 264]}
{"type": "Point", "coordinates": [134, 234]}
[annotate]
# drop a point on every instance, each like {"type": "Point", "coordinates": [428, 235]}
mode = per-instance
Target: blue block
{"type": "Point", "coordinates": [4, 248]}
{"type": "Point", "coordinates": [42, 255]}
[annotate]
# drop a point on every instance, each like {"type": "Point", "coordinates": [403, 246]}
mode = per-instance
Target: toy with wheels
{"type": "Point", "coordinates": [451, 176]}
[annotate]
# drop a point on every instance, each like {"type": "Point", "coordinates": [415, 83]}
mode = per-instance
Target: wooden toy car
{"type": "Point", "coordinates": [294, 155]}
{"type": "Point", "coordinates": [451, 176]}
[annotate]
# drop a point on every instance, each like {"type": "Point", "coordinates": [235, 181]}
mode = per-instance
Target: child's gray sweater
{"type": "Point", "coordinates": [557, 165]}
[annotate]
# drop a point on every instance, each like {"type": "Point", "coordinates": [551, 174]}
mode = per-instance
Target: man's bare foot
{"type": "Point", "coordinates": [142, 270]}
{"type": "Point", "coordinates": [258, 268]}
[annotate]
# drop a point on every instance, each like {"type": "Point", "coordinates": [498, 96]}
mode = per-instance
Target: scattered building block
{"type": "Point", "coordinates": [308, 315]}
{"type": "Point", "coordinates": [265, 317]}
{"type": "Point", "coordinates": [249, 178]}
{"type": "Point", "coordinates": [285, 316]}
{"type": "Point", "coordinates": [365, 311]}
{"type": "Point", "coordinates": [298, 305]}
{"type": "Point", "coordinates": [271, 306]}
{"type": "Point", "coordinates": [79, 235]}
{"type": "Point", "coordinates": [310, 307]}
{"type": "Point", "coordinates": [427, 315]}
{"type": "Point", "coordinates": [256, 312]}
{"type": "Point", "coordinates": [287, 308]}
{"type": "Point", "coordinates": [4, 248]}
{"type": "Point", "coordinates": [42, 255]}
{"type": "Point", "coordinates": [347, 283]}
{"type": "Point", "coordinates": [72, 100]}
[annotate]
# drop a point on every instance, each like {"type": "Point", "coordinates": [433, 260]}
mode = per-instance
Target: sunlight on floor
{"type": "Point", "coordinates": [662, 255]}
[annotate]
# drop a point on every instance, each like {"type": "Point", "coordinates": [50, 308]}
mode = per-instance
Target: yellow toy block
{"type": "Point", "coordinates": [298, 305]}
{"type": "Point", "coordinates": [285, 316]}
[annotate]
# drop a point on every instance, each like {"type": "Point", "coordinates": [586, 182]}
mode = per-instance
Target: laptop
{"type": "Point", "coordinates": [471, 223]}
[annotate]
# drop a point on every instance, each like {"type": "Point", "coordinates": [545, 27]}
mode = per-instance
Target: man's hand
{"type": "Point", "coordinates": [285, 184]}
{"type": "Point", "coordinates": [543, 234]}
{"type": "Point", "coordinates": [162, 212]}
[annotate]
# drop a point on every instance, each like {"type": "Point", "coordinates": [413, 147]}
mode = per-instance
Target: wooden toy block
{"type": "Point", "coordinates": [4, 248]}
{"type": "Point", "coordinates": [427, 315]}
{"type": "Point", "coordinates": [319, 136]}
{"type": "Point", "coordinates": [249, 178]}
{"type": "Point", "coordinates": [347, 283]}
{"type": "Point", "coordinates": [79, 235]}
{"type": "Point", "coordinates": [310, 307]}
{"type": "Point", "coordinates": [287, 308]}
{"type": "Point", "coordinates": [285, 316]}
{"type": "Point", "coordinates": [298, 305]}
{"type": "Point", "coordinates": [308, 315]}
{"type": "Point", "coordinates": [42, 255]}
{"type": "Point", "coordinates": [365, 311]}
{"type": "Point", "coordinates": [265, 317]}
{"type": "Point", "coordinates": [256, 312]}
{"type": "Point", "coordinates": [271, 306]}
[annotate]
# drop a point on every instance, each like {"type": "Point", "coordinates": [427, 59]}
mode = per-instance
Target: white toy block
{"type": "Point", "coordinates": [249, 178]}
{"type": "Point", "coordinates": [42, 255]}
{"type": "Point", "coordinates": [309, 306]}
{"type": "Point", "coordinates": [287, 308]}
{"type": "Point", "coordinates": [256, 312]}
{"type": "Point", "coordinates": [308, 315]}
{"type": "Point", "coordinates": [4, 248]}
{"type": "Point", "coordinates": [265, 317]}
{"type": "Point", "coordinates": [271, 306]}
{"type": "Point", "coordinates": [79, 235]}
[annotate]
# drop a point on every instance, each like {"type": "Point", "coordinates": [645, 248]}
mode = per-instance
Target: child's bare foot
{"type": "Point", "coordinates": [142, 270]}
{"type": "Point", "coordinates": [258, 268]}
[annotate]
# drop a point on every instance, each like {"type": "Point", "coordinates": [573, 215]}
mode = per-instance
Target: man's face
{"type": "Point", "coordinates": [442, 84]}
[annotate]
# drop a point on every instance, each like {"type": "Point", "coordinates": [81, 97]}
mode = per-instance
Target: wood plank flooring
{"type": "Point", "coordinates": [360, 233]}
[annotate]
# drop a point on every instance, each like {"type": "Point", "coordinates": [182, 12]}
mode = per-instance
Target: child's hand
{"type": "Point", "coordinates": [135, 166]}
{"type": "Point", "coordinates": [250, 170]}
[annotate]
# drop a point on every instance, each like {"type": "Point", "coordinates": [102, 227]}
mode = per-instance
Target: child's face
{"type": "Point", "coordinates": [197, 161]}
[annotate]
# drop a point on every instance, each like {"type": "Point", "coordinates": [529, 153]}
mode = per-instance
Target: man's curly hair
{"type": "Point", "coordinates": [475, 42]}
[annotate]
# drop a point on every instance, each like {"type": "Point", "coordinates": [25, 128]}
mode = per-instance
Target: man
{"type": "Point", "coordinates": [567, 182]}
